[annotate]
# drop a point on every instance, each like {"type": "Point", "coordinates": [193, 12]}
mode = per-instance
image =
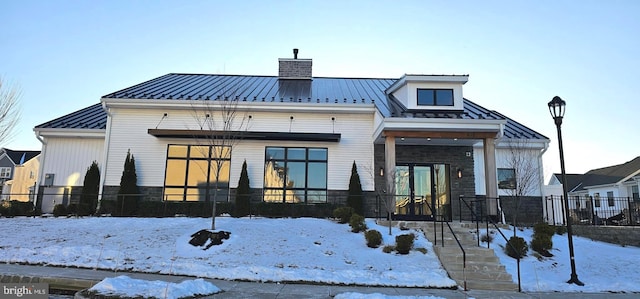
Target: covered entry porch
{"type": "Point", "coordinates": [422, 173]}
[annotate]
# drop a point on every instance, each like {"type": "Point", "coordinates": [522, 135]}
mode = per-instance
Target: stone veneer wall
{"type": "Point", "coordinates": [529, 212]}
{"type": "Point", "coordinates": [455, 156]}
{"type": "Point", "coordinates": [622, 235]}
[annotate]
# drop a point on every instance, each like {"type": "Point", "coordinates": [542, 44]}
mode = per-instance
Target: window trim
{"type": "Point", "coordinates": [514, 178]}
{"type": "Point", "coordinates": [6, 170]}
{"type": "Point", "coordinates": [435, 97]}
{"type": "Point", "coordinates": [307, 161]}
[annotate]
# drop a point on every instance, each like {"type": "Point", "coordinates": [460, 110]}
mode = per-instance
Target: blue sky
{"type": "Point", "coordinates": [65, 55]}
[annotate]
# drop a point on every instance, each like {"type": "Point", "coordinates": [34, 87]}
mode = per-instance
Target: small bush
{"type": "Point", "coordinates": [343, 214]}
{"type": "Point", "coordinates": [542, 244]}
{"type": "Point", "coordinates": [518, 248]}
{"type": "Point", "coordinates": [561, 230]}
{"type": "Point", "coordinates": [388, 249]}
{"type": "Point", "coordinates": [60, 210]}
{"type": "Point", "coordinates": [487, 238]}
{"type": "Point", "coordinates": [404, 243]}
{"type": "Point", "coordinates": [357, 223]}
{"type": "Point", "coordinates": [544, 228]}
{"type": "Point", "coordinates": [373, 237]}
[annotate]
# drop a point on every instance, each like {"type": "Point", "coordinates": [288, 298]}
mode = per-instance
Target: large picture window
{"type": "Point", "coordinates": [295, 175]}
{"type": "Point", "coordinates": [435, 97]}
{"type": "Point", "coordinates": [192, 171]}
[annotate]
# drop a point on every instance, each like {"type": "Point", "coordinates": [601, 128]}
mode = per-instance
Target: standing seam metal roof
{"type": "Point", "coordinates": [319, 90]}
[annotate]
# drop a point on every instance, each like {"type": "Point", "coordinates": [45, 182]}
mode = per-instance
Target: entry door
{"type": "Point", "coordinates": [421, 188]}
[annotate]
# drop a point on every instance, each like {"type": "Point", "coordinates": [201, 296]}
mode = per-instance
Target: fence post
{"type": "Point", "coordinates": [592, 219]}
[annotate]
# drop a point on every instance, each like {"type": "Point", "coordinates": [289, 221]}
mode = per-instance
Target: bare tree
{"type": "Point", "coordinates": [222, 125]}
{"type": "Point", "coordinates": [9, 110]}
{"type": "Point", "coordinates": [386, 192]}
{"type": "Point", "coordinates": [523, 159]}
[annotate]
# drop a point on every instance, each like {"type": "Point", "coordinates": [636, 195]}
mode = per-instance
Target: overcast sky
{"type": "Point", "coordinates": [65, 55]}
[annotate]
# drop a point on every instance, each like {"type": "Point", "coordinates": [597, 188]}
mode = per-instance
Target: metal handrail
{"type": "Point", "coordinates": [474, 217]}
{"type": "Point", "coordinates": [464, 255]}
{"type": "Point", "coordinates": [435, 226]}
{"type": "Point", "coordinates": [510, 245]}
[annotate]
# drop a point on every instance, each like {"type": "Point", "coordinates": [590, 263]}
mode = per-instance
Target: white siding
{"type": "Point", "coordinates": [502, 161]}
{"type": "Point", "coordinates": [69, 158]}
{"type": "Point", "coordinates": [129, 131]}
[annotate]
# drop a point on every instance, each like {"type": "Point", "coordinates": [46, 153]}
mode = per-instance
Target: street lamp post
{"type": "Point", "coordinates": [557, 109]}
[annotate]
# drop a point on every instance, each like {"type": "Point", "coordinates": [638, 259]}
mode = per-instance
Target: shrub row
{"type": "Point", "coordinates": [204, 209]}
{"type": "Point", "coordinates": [17, 208]}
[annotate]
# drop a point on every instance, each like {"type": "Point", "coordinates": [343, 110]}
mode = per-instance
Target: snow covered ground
{"type": "Point", "coordinates": [259, 249]}
{"type": "Point", "coordinates": [304, 249]}
{"type": "Point", "coordinates": [602, 267]}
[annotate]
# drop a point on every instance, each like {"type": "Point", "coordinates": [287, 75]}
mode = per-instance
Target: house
{"type": "Point", "coordinates": [18, 173]}
{"type": "Point", "coordinates": [417, 142]}
{"type": "Point", "coordinates": [601, 193]}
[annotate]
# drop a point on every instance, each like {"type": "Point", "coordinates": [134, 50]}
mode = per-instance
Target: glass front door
{"type": "Point", "coordinates": [422, 191]}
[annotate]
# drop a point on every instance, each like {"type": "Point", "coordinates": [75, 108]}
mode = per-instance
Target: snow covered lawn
{"type": "Point", "coordinates": [259, 249]}
{"type": "Point", "coordinates": [602, 267]}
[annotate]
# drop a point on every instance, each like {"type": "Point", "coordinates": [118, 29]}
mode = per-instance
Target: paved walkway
{"type": "Point", "coordinates": [237, 289]}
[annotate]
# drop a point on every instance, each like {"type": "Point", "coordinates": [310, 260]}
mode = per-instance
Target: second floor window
{"type": "Point", "coordinates": [435, 97]}
{"type": "Point", "coordinates": [5, 172]}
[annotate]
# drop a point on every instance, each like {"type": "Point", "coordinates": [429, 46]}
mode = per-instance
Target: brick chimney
{"type": "Point", "coordinates": [294, 68]}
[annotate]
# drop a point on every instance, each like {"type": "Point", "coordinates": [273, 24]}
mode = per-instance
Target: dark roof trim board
{"type": "Point", "coordinates": [244, 135]}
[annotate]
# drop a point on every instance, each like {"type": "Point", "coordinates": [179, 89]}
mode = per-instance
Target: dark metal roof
{"type": "Point", "coordinates": [319, 90]}
{"type": "Point", "coordinates": [260, 89]}
{"type": "Point", "coordinates": [607, 175]}
{"type": "Point", "coordinates": [17, 156]}
{"type": "Point", "coordinates": [92, 117]}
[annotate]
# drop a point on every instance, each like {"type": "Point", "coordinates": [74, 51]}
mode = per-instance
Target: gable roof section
{"type": "Point", "coordinates": [260, 89]}
{"type": "Point", "coordinates": [265, 89]}
{"type": "Point", "coordinates": [92, 117]}
{"type": "Point", "coordinates": [17, 156]}
{"type": "Point", "coordinates": [573, 180]}
{"type": "Point", "coordinates": [608, 175]}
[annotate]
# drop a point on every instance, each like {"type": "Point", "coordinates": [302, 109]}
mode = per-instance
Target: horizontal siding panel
{"type": "Point", "coordinates": [69, 158]}
{"type": "Point", "coordinates": [129, 132]}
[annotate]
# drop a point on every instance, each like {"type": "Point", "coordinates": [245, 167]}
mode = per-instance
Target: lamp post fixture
{"type": "Point", "coordinates": [557, 109]}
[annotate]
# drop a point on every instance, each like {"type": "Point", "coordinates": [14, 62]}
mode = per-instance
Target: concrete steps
{"type": "Point", "coordinates": [483, 270]}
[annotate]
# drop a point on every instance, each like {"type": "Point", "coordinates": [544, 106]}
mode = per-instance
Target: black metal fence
{"type": "Point", "coordinates": [593, 210]}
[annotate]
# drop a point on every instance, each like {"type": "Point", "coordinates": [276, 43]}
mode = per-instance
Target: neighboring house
{"type": "Point", "coordinates": [18, 173]}
{"type": "Point", "coordinates": [602, 192]}
{"type": "Point", "coordinates": [415, 137]}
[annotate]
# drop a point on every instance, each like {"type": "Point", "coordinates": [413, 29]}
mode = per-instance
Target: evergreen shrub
{"type": "Point", "coordinates": [373, 237]}
{"type": "Point", "coordinates": [518, 248]}
{"type": "Point", "coordinates": [243, 194]}
{"type": "Point", "coordinates": [404, 243]}
{"type": "Point", "coordinates": [354, 199]}
{"type": "Point", "coordinates": [343, 214]}
{"type": "Point", "coordinates": [357, 223]}
{"type": "Point", "coordinates": [60, 210]}
{"type": "Point", "coordinates": [561, 230]}
{"type": "Point", "coordinates": [90, 189]}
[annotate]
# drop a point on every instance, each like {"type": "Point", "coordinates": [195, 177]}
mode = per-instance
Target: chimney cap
{"type": "Point", "coordinates": [295, 53]}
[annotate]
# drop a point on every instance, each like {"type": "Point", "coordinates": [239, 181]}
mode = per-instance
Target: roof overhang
{"type": "Point", "coordinates": [440, 128]}
{"type": "Point", "coordinates": [275, 106]}
{"type": "Point", "coordinates": [459, 79]}
{"type": "Point", "coordinates": [244, 135]}
{"type": "Point", "coordinates": [70, 133]}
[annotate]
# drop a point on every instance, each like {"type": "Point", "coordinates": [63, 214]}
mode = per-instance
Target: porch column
{"type": "Point", "coordinates": [390, 171]}
{"type": "Point", "coordinates": [490, 176]}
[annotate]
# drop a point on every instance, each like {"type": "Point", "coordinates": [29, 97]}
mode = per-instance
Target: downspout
{"type": "Point", "coordinates": [544, 150]}
{"type": "Point", "coordinates": [105, 159]}
{"type": "Point", "coordinates": [43, 153]}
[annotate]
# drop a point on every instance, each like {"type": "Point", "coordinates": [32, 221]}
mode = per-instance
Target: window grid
{"type": "Point", "coordinates": [190, 173]}
{"type": "Point", "coordinates": [295, 175]}
{"type": "Point", "coordinates": [434, 97]}
{"type": "Point", "coordinates": [5, 172]}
